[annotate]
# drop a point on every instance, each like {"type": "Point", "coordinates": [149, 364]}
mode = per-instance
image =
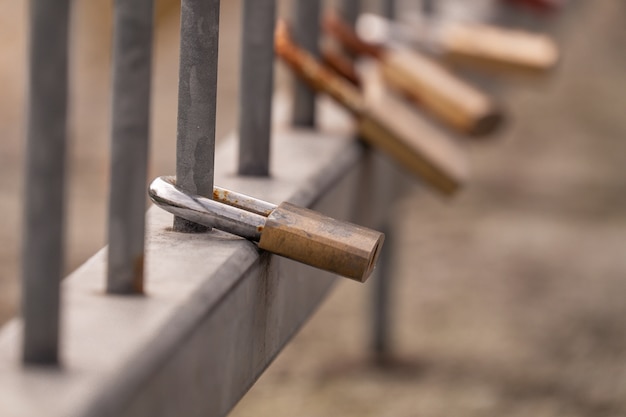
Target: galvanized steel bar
{"type": "Point", "coordinates": [429, 7]}
{"type": "Point", "coordinates": [389, 9]}
{"type": "Point", "coordinates": [349, 10]}
{"type": "Point", "coordinates": [381, 302]}
{"type": "Point", "coordinates": [42, 263]}
{"type": "Point", "coordinates": [132, 58]}
{"type": "Point", "coordinates": [197, 90]}
{"type": "Point", "coordinates": [306, 31]}
{"type": "Point", "coordinates": [257, 86]}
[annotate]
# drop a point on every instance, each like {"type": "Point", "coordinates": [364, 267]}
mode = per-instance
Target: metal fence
{"type": "Point", "coordinates": [62, 373]}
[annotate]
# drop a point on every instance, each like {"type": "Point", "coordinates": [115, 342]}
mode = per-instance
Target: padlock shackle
{"type": "Point", "coordinates": [223, 216]}
{"type": "Point", "coordinates": [243, 201]}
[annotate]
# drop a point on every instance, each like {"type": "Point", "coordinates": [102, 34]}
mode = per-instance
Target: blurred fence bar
{"type": "Point", "coordinates": [349, 10]}
{"type": "Point", "coordinates": [132, 59]}
{"type": "Point", "coordinates": [197, 90]}
{"type": "Point", "coordinates": [42, 256]}
{"type": "Point", "coordinates": [382, 301]}
{"type": "Point", "coordinates": [306, 31]}
{"type": "Point", "coordinates": [257, 86]}
{"type": "Point", "coordinates": [389, 9]}
{"type": "Point", "coordinates": [429, 7]}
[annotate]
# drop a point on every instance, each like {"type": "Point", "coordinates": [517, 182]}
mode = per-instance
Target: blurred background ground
{"type": "Point", "coordinates": [509, 299]}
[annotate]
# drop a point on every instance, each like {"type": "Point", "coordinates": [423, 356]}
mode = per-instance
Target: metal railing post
{"type": "Point", "coordinates": [42, 263]}
{"type": "Point", "coordinates": [197, 91]}
{"type": "Point", "coordinates": [257, 86]}
{"type": "Point", "coordinates": [389, 9]}
{"type": "Point", "coordinates": [349, 10]}
{"type": "Point", "coordinates": [306, 32]}
{"type": "Point", "coordinates": [132, 59]}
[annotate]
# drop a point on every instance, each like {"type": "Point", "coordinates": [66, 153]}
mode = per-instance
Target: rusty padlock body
{"type": "Point", "coordinates": [287, 230]}
{"type": "Point", "coordinates": [320, 241]}
{"type": "Point", "coordinates": [427, 83]}
{"type": "Point", "coordinates": [497, 49]}
{"type": "Point", "coordinates": [387, 124]}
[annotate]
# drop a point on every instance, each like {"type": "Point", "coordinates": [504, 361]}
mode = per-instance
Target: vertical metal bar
{"type": "Point", "coordinates": [306, 32]}
{"type": "Point", "coordinates": [257, 86]}
{"type": "Point", "coordinates": [429, 8]}
{"type": "Point", "coordinates": [43, 252]}
{"type": "Point", "coordinates": [381, 320]}
{"type": "Point", "coordinates": [349, 10]}
{"type": "Point", "coordinates": [197, 91]}
{"type": "Point", "coordinates": [132, 59]}
{"type": "Point", "coordinates": [389, 9]}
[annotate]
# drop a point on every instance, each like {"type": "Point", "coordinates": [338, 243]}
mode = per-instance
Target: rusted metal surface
{"type": "Point", "coordinates": [348, 38]}
{"type": "Point", "coordinates": [497, 49]}
{"type": "Point", "coordinates": [384, 121]}
{"type": "Point", "coordinates": [294, 232]}
{"type": "Point", "coordinates": [44, 212]}
{"type": "Point", "coordinates": [341, 65]}
{"type": "Point", "coordinates": [197, 90]}
{"type": "Point", "coordinates": [132, 70]}
{"type": "Point", "coordinates": [430, 85]}
{"type": "Point", "coordinates": [242, 201]}
{"type": "Point", "coordinates": [317, 76]}
{"type": "Point", "coordinates": [306, 236]}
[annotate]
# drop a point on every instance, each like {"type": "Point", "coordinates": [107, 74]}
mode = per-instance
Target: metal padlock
{"type": "Point", "coordinates": [395, 129]}
{"type": "Point", "coordinates": [480, 45]}
{"type": "Point", "coordinates": [426, 82]}
{"type": "Point", "coordinates": [294, 232]}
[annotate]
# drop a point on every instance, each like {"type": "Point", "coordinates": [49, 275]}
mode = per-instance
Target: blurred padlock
{"type": "Point", "coordinates": [396, 130]}
{"type": "Point", "coordinates": [294, 232]}
{"type": "Point", "coordinates": [429, 84]}
{"type": "Point", "coordinates": [486, 47]}
{"type": "Point", "coordinates": [494, 48]}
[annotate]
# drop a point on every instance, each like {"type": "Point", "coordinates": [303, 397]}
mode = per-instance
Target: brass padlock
{"type": "Point", "coordinates": [426, 82]}
{"type": "Point", "coordinates": [396, 130]}
{"type": "Point", "coordinates": [493, 48]}
{"type": "Point", "coordinates": [479, 45]}
{"type": "Point", "coordinates": [294, 232]}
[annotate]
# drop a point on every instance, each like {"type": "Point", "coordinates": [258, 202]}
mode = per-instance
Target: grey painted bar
{"type": "Point", "coordinates": [44, 222]}
{"type": "Point", "coordinates": [197, 90]}
{"type": "Point", "coordinates": [349, 10]}
{"type": "Point", "coordinates": [132, 64]}
{"type": "Point", "coordinates": [257, 87]}
{"type": "Point", "coordinates": [389, 8]}
{"type": "Point", "coordinates": [306, 31]}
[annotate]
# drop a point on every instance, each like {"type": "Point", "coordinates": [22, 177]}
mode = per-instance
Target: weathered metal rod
{"type": "Point", "coordinates": [389, 9]}
{"type": "Point", "coordinates": [197, 91]}
{"type": "Point", "coordinates": [349, 10]}
{"type": "Point", "coordinates": [132, 59]}
{"type": "Point", "coordinates": [42, 264]}
{"type": "Point", "coordinates": [257, 86]}
{"type": "Point", "coordinates": [306, 31]}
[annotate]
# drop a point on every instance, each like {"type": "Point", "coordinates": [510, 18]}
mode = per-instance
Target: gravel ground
{"type": "Point", "coordinates": [508, 299]}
